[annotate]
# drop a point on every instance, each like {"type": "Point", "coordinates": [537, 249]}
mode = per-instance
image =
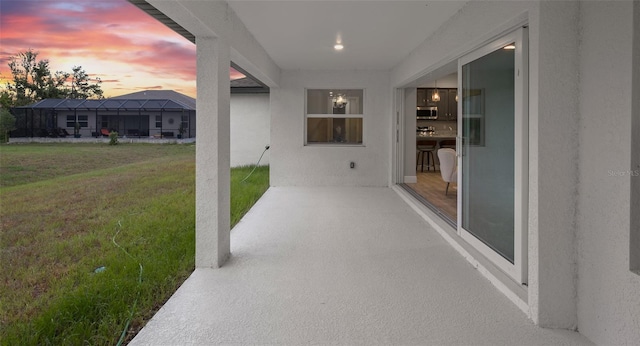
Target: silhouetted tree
{"type": "Point", "coordinates": [32, 80]}
{"type": "Point", "coordinates": [81, 88]}
{"type": "Point", "coordinates": [7, 124]}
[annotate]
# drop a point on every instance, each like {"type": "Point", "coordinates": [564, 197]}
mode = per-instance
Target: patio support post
{"type": "Point", "coordinates": [212, 153]}
{"type": "Point", "coordinates": [139, 122]}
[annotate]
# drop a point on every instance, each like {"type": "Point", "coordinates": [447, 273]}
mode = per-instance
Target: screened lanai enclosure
{"type": "Point", "coordinates": [137, 118]}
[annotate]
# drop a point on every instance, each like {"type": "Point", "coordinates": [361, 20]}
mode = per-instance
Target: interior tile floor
{"type": "Point", "coordinates": [338, 266]}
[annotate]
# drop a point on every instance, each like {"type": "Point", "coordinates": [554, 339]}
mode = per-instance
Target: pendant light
{"type": "Point", "coordinates": [435, 97]}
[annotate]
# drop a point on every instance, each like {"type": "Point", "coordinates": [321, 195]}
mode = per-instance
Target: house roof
{"type": "Point", "coordinates": [247, 85]}
{"type": "Point", "coordinates": [163, 101]}
{"type": "Point", "coordinates": [160, 95]}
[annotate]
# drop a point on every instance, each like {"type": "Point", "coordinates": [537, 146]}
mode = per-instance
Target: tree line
{"type": "Point", "coordinates": [32, 80]}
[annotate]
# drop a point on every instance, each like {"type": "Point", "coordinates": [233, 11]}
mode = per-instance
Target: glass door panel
{"type": "Point", "coordinates": [487, 150]}
{"type": "Point", "coordinates": [492, 152]}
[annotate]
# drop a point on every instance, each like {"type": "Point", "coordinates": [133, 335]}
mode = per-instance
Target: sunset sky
{"type": "Point", "coordinates": [112, 40]}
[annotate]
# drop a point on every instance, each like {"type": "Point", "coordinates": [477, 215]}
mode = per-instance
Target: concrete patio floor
{"type": "Point", "coordinates": [341, 266]}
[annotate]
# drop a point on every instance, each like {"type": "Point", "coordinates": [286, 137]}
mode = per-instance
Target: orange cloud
{"type": "Point", "coordinates": [112, 40]}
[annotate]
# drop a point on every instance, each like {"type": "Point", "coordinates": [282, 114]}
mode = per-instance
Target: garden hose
{"type": "Point", "coordinates": [135, 303]}
{"type": "Point", "coordinates": [256, 166]}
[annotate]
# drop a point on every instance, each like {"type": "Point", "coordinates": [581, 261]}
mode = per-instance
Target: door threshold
{"type": "Point", "coordinates": [446, 218]}
{"type": "Point", "coordinates": [516, 293]}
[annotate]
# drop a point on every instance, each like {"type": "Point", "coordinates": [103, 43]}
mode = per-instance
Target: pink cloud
{"type": "Point", "coordinates": [103, 34]}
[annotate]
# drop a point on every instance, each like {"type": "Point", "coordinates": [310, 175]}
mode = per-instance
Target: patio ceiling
{"type": "Point", "coordinates": [376, 34]}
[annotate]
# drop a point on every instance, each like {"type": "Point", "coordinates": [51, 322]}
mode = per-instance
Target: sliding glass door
{"type": "Point", "coordinates": [492, 152]}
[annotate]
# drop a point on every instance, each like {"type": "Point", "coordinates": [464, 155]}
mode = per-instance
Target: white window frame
{"type": "Point", "coordinates": [346, 116]}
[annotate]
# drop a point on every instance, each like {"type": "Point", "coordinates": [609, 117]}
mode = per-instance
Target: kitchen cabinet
{"type": "Point", "coordinates": [422, 97]}
{"type": "Point", "coordinates": [447, 106]}
{"type": "Point", "coordinates": [450, 112]}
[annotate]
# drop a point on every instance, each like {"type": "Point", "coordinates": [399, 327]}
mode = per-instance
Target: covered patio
{"type": "Point", "coordinates": [351, 263]}
{"type": "Point", "coordinates": [342, 265]}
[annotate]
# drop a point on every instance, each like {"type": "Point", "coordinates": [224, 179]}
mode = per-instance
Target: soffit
{"type": "Point", "coordinates": [376, 34]}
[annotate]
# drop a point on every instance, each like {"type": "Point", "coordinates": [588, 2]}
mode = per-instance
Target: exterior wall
{"type": "Point", "coordinates": [148, 125]}
{"type": "Point", "coordinates": [608, 292]}
{"type": "Point", "coordinates": [410, 123]}
{"type": "Point", "coordinates": [170, 122]}
{"type": "Point", "coordinates": [634, 232]}
{"type": "Point", "coordinates": [553, 155]}
{"type": "Point", "coordinates": [580, 114]}
{"type": "Point", "coordinates": [293, 163]}
{"type": "Point", "coordinates": [84, 131]}
{"type": "Point", "coordinates": [250, 124]}
{"type": "Point", "coordinates": [472, 27]}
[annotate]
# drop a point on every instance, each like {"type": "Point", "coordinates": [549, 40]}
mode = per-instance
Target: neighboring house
{"type": "Point", "coordinates": [571, 141]}
{"type": "Point", "coordinates": [152, 113]}
{"type": "Point", "coordinates": [155, 114]}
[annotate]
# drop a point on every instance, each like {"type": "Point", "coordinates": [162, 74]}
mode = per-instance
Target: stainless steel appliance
{"type": "Point", "coordinates": [427, 113]}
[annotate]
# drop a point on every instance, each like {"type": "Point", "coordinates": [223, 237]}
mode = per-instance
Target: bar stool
{"type": "Point", "coordinates": [426, 147]}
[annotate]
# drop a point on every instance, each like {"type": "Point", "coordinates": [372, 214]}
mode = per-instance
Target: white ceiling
{"type": "Point", "coordinates": [376, 34]}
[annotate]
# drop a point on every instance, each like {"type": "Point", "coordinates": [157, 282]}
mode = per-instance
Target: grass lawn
{"type": "Point", "coordinates": [95, 238]}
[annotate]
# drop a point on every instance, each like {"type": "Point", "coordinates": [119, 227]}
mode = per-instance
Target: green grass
{"type": "Point", "coordinates": [95, 205]}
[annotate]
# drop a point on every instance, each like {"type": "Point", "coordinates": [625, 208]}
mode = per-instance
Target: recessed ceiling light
{"type": "Point", "coordinates": [510, 46]}
{"type": "Point", "coordinates": [338, 46]}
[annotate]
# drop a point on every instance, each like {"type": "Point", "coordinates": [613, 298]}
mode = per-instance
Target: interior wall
{"type": "Point", "coordinates": [608, 299]}
{"type": "Point", "coordinates": [250, 124]}
{"type": "Point", "coordinates": [294, 164]}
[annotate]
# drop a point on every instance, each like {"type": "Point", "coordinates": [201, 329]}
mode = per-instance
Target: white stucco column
{"type": "Point", "coordinates": [212, 153]}
{"type": "Point", "coordinates": [553, 154]}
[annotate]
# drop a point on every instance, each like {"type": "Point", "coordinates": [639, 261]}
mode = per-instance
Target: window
{"type": "Point", "coordinates": [185, 122]}
{"type": "Point", "coordinates": [83, 120]}
{"type": "Point", "coordinates": [158, 121]}
{"type": "Point", "coordinates": [334, 116]}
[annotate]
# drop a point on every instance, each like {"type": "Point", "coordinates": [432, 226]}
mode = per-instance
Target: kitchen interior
{"type": "Point", "coordinates": [436, 128]}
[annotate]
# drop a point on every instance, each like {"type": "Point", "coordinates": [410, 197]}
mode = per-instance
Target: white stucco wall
{"type": "Point", "coordinates": [634, 247]}
{"type": "Point", "coordinates": [250, 124]}
{"type": "Point", "coordinates": [608, 292]}
{"type": "Point", "coordinates": [293, 163]}
{"type": "Point", "coordinates": [553, 154]}
{"type": "Point", "coordinates": [580, 128]}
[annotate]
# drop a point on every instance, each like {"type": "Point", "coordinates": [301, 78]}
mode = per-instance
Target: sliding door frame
{"type": "Point", "coordinates": [519, 269]}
